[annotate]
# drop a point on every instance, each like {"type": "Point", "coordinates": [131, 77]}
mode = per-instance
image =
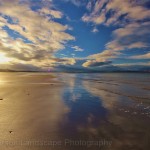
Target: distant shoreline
{"type": "Point", "coordinates": [14, 71]}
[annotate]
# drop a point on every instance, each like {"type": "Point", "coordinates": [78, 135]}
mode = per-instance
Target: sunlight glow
{"type": "Point", "coordinates": [3, 58]}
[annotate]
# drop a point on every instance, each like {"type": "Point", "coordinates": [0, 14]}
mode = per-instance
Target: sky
{"type": "Point", "coordinates": [75, 35]}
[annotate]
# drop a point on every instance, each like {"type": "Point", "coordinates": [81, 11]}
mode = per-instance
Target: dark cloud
{"type": "Point", "coordinates": [97, 64]}
{"type": "Point", "coordinates": [20, 67]}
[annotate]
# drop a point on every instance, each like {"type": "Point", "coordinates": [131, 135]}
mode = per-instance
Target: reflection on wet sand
{"type": "Point", "coordinates": [30, 112]}
{"type": "Point", "coordinates": [128, 120]}
{"type": "Point", "coordinates": [96, 113]}
{"type": "Point", "coordinates": [85, 115]}
{"type": "Point", "coordinates": [75, 111]}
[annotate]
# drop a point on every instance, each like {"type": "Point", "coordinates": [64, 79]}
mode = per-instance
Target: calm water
{"type": "Point", "coordinates": [87, 111]}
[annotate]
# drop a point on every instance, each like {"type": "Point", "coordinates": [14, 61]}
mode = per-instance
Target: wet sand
{"type": "Point", "coordinates": [45, 111]}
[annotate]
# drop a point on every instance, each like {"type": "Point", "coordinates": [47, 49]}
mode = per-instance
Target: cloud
{"type": "Point", "coordinates": [133, 64]}
{"type": "Point", "coordinates": [104, 55]}
{"type": "Point", "coordinates": [53, 13]}
{"type": "Point", "coordinates": [95, 30]}
{"type": "Point", "coordinates": [138, 66]}
{"type": "Point", "coordinates": [133, 35]}
{"type": "Point", "coordinates": [100, 58]}
{"type": "Point", "coordinates": [3, 34]}
{"type": "Point", "coordinates": [93, 63]}
{"type": "Point", "coordinates": [97, 15]}
{"type": "Point", "coordinates": [77, 48]}
{"type": "Point", "coordinates": [24, 67]}
{"type": "Point", "coordinates": [65, 61]}
{"type": "Point", "coordinates": [60, 61]}
{"type": "Point", "coordinates": [109, 12]}
{"type": "Point", "coordinates": [20, 67]}
{"type": "Point", "coordinates": [39, 36]}
{"type": "Point", "coordinates": [2, 22]}
{"type": "Point", "coordinates": [95, 18]}
{"type": "Point", "coordinates": [144, 56]}
{"type": "Point", "coordinates": [130, 9]}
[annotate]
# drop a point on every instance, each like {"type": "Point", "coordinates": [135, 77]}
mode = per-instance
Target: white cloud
{"type": "Point", "coordinates": [133, 64]}
{"type": "Point", "coordinates": [95, 30]}
{"type": "Point", "coordinates": [144, 56]}
{"type": "Point", "coordinates": [53, 13]}
{"type": "Point", "coordinates": [97, 19]}
{"type": "Point", "coordinates": [77, 48]}
{"type": "Point", "coordinates": [131, 36]}
{"type": "Point", "coordinates": [116, 9]}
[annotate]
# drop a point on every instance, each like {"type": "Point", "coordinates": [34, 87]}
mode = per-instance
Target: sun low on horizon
{"type": "Point", "coordinates": [4, 59]}
{"type": "Point", "coordinates": [75, 35]}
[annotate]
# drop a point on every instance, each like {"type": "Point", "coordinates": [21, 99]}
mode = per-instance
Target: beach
{"type": "Point", "coordinates": [50, 111]}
